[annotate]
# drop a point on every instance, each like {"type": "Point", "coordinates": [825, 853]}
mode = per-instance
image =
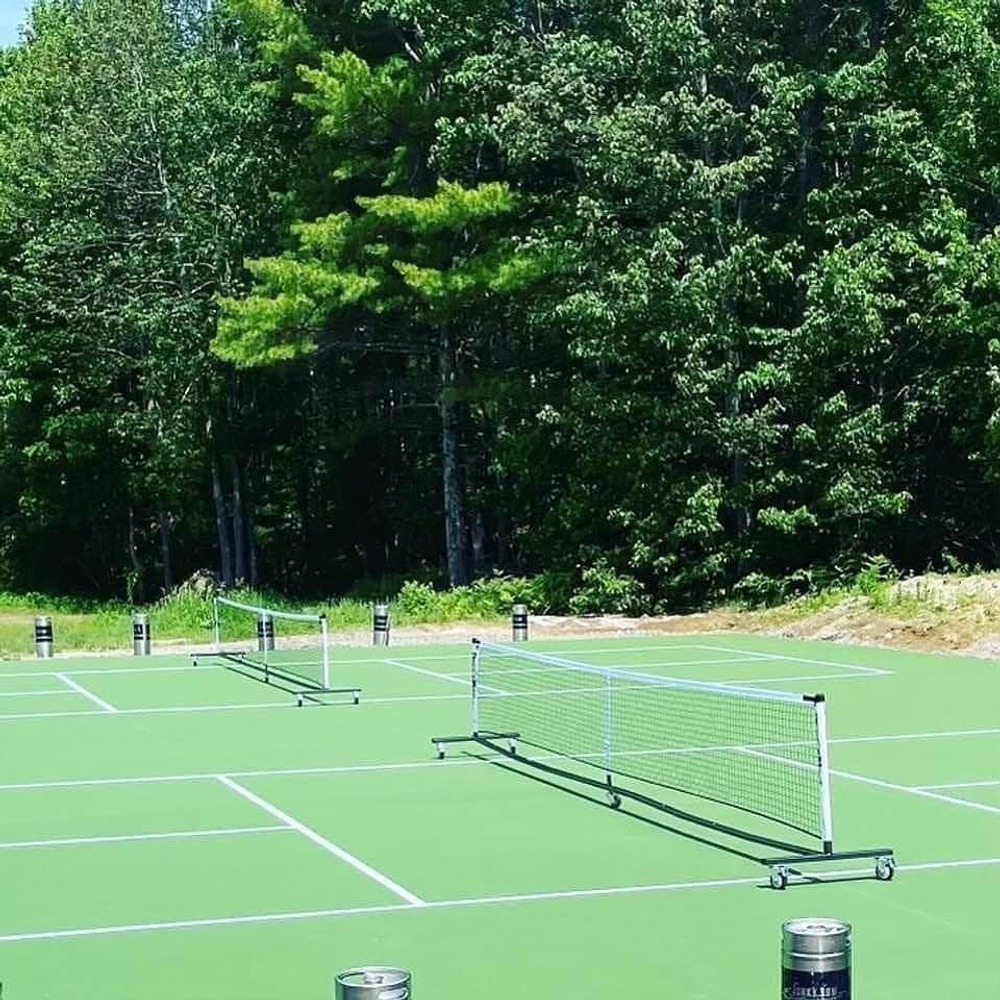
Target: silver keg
{"type": "Point", "coordinates": [380, 625]}
{"type": "Point", "coordinates": [373, 982]}
{"type": "Point", "coordinates": [815, 959]}
{"type": "Point", "coordinates": [519, 622]}
{"type": "Point", "coordinates": [265, 632]}
{"type": "Point", "coordinates": [141, 635]}
{"type": "Point", "coordinates": [44, 642]}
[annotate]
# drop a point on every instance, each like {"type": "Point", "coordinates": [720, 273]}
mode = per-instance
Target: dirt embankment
{"type": "Point", "coordinates": [929, 613]}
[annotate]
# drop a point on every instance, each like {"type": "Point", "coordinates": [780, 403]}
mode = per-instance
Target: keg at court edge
{"type": "Point", "coordinates": [43, 636]}
{"type": "Point", "coordinates": [265, 632]}
{"type": "Point", "coordinates": [519, 622]}
{"type": "Point", "coordinates": [815, 959]}
{"type": "Point", "coordinates": [380, 625]}
{"type": "Point", "coordinates": [373, 982]}
{"type": "Point", "coordinates": [141, 635]}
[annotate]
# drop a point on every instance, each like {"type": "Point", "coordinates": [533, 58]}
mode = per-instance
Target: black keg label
{"type": "Point", "coordinates": [816, 985]}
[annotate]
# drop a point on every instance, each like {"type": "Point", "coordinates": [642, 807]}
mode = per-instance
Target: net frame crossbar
{"type": "Point", "coordinates": [615, 790]}
{"type": "Point", "coordinates": [255, 663]}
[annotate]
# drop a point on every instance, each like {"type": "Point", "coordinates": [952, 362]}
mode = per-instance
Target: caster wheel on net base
{"type": "Point", "coordinates": [614, 800]}
{"type": "Point", "coordinates": [778, 877]}
{"type": "Point", "coordinates": [885, 868]}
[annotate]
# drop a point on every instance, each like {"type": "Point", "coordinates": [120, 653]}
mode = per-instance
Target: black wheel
{"type": "Point", "coordinates": [778, 877]}
{"type": "Point", "coordinates": [439, 750]}
{"type": "Point", "coordinates": [885, 868]}
{"type": "Point", "coordinates": [615, 800]}
{"type": "Point", "coordinates": [357, 699]}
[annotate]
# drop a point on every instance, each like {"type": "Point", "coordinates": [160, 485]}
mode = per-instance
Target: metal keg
{"type": "Point", "coordinates": [373, 982]}
{"type": "Point", "coordinates": [265, 633]}
{"type": "Point", "coordinates": [141, 635]}
{"type": "Point", "coordinates": [380, 625]}
{"type": "Point", "coordinates": [815, 959]}
{"type": "Point", "coordinates": [44, 641]}
{"type": "Point", "coordinates": [519, 622]}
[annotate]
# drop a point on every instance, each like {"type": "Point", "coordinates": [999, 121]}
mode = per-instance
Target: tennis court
{"type": "Point", "coordinates": [179, 831]}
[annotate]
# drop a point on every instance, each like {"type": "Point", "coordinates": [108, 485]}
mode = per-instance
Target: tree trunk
{"type": "Point", "coordinates": [812, 115]}
{"type": "Point", "coordinates": [479, 553]}
{"type": "Point", "coordinates": [240, 571]}
{"type": "Point", "coordinates": [165, 555]}
{"type": "Point", "coordinates": [134, 586]}
{"type": "Point", "coordinates": [250, 537]}
{"type": "Point", "coordinates": [455, 533]}
{"type": "Point", "coordinates": [222, 527]}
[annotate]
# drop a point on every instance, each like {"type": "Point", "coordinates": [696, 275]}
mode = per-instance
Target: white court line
{"type": "Point", "coordinates": [213, 775]}
{"type": "Point", "coordinates": [238, 707]}
{"type": "Point", "coordinates": [959, 784]}
{"type": "Point", "coordinates": [942, 735]}
{"type": "Point", "coordinates": [411, 765]}
{"type": "Point", "coordinates": [186, 668]}
{"type": "Point", "coordinates": [460, 650]}
{"type": "Point", "coordinates": [24, 694]}
{"type": "Point", "coordinates": [89, 695]}
{"type": "Point", "coordinates": [356, 863]}
{"type": "Point", "coordinates": [453, 678]}
{"type": "Point", "coordinates": [518, 672]}
{"type": "Point", "coordinates": [444, 904]}
{"type": "Point", "coordinates": [802, 659]}
{"type": "Point", "coordinates": [750, 681]}
{"type": "Point", "coordinates": [877, 782]}
{"type": "Point", "coordinates": [125, 837]}
{"type": "Point", "coordinates": [922, 792]}
{"type": "Point", "coordinates": [386, 700]}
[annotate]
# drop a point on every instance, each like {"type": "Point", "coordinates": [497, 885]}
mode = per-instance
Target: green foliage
{"type": "Point", "coordinates": [486, 599]}
{"type": "Point", "coordinates": [758, 590]}
{"type": "Point", "coordinates": [683, 302]}
{"type": "Point", "coordinates": [604, 591]}
{"type": "Point", "coordinates": [875, 580]}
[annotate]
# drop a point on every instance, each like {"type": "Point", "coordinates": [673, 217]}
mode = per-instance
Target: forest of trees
{"type": "Point", "coordinates": [697, 297]}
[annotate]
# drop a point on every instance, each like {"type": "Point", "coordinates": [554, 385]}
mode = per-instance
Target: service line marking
{"type": "Point", "coordinates": [874, 671]}
{"type": "Point", "coordinates": [89, 695]}
{"type": "Point", "coordinates": [126, 837]}
{"type": "Point", "coordinates": [417, 764]}
{"type": "Point", "coordinates": [500, 900]}
{"type": "Point", "coordinates": [959, 784]}
{"type": "Point", "coordinates": [321, 841]}
{"type": "Point", "coordinates": [24, 694]}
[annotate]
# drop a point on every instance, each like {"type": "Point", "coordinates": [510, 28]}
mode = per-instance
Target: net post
{"type": "Point", "coordinates": [474, 680]}
{"type": "Point", "coordinates": [608, 723]}
{"type": "Point", "coordinates": [614, 799]}
{"type": "Point", "coordinates": [825, 797]}
{"type": "Point", "coordinates": [324, 631]}
{"type": "Point", "coordinates": [216, 634]}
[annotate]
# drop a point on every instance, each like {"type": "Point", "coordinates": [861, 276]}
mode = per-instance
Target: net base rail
{"type": "Point", "coordinates": [242, 662]}
{"type": "Point", "coordinates": [795, 863]}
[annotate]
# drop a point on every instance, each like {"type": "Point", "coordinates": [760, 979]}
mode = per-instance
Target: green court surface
{"type": "Point", "coordinates": [170, 831]}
